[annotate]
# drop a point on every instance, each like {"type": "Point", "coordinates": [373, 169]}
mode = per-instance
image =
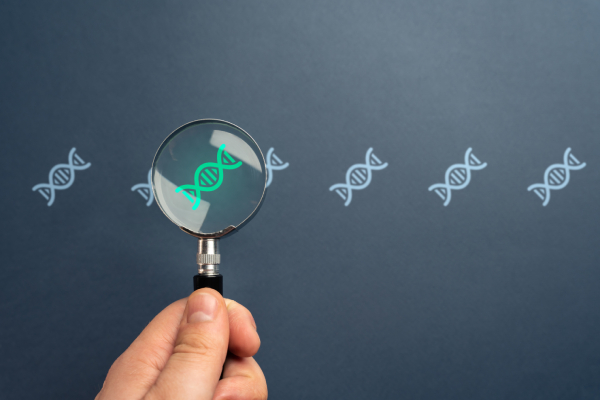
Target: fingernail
{"type": "Point", "coordinates": [252, 322]}
{"type": "Point", "coordinates": [202, 308]}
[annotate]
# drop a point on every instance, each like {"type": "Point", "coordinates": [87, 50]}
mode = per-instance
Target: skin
{"type": "Point", "coordinates": [180, 355]}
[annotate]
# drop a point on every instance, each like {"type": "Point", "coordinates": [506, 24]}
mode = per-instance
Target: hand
{"type": "Point", "coordinates": [181, 352]}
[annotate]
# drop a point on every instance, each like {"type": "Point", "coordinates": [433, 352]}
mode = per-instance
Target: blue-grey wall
{"type": "Point", "coordinates": [493, 296]}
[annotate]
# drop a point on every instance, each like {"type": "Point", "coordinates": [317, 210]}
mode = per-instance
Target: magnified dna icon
{"type": "Point", "coordinates": [145, 189]}
{"type": "Point", "coordinates": [273, 163]}
{"type": "Point", "coordinates": [208, 177]}
{"type": "Point", "coordinates": [458, 176]}
{"type": "Point", "coordinates": [61, 177]}
{"type": "Point", "coordinates": [556, 176]}
{"type": "Point", "coordinates": [358, 176]}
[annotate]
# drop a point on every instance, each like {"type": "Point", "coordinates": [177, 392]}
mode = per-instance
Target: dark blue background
{"type": "Point", "coordinates": [394, 296]}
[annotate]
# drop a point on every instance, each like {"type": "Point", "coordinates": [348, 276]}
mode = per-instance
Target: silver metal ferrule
{"type": "Point", "coordinates": [208, 256]}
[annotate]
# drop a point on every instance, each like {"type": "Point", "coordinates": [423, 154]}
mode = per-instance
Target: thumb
{"type": "Point", "coordinates": [194, 368]}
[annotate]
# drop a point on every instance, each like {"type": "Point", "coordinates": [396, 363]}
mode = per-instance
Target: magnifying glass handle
{"type": "Point", "coordinates": [208, 259]}
{"type": "Point", "coordinates": [209, 281]}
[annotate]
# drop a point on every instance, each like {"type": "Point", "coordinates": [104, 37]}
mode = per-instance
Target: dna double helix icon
{"type": "Point", "coordinates": [358, 176]}
{"type": "Point", "coordinates": [273, 163]}
{"type": "Point", "coordinates": [556, 176]}
{"type": "Point", "coordinates": [145, 189]}
{"type": "Point", "coordinates": [458, 176]}
{"type": "Point", "coordinates": [61, 177]}
{"type": "Point", "coordinates": [208, 177]}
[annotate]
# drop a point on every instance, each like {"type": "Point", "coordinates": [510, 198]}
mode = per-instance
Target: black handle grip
{"type": "Point", "coordinates": [209, 281]}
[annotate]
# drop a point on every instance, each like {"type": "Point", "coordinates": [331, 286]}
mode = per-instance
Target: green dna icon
{"type": "Point", "coordinates": [209, 176]}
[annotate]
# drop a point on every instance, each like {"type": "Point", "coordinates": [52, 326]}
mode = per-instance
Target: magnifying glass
{"type": "Point", "coordinates": [209, 178]}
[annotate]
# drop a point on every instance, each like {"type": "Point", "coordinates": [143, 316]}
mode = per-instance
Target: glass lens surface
{"type": "Point", "coordinates": [208, 175]}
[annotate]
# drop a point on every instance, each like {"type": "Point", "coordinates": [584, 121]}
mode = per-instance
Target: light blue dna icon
{"type": "Point", "coordinates": [358, 176]}
{"type": "Point", "coordinates": [458, 176]}
{"type": "Point", "coordinates": [273, 163]}
{"type": "Point", "coordinates": [145, 189]}
{"type": "Point", "coordinates": [556, 176]}
{"type": "Point", "coordinates": [61, 177]}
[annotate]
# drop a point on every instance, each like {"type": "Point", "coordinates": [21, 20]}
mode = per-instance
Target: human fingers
{"type": "Point", "coordinates": [193, 370]}
{"type": "Point", "coordinates": [242, 380]}
{"type": "Point", "coordinates": [243, 338]}
{"type": "Point", "coordinates": [136, 370]}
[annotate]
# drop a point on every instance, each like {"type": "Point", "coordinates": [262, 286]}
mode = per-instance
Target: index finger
{"type": "Point", "coordinates": [243, 338]}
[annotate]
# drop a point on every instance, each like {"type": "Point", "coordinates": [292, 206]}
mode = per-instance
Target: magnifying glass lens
{"type": "Point", "coordinates": [208, 175]}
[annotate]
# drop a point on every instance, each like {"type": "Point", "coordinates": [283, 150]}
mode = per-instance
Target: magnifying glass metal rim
{"type": "Point", "coordinates": [230, 228]}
